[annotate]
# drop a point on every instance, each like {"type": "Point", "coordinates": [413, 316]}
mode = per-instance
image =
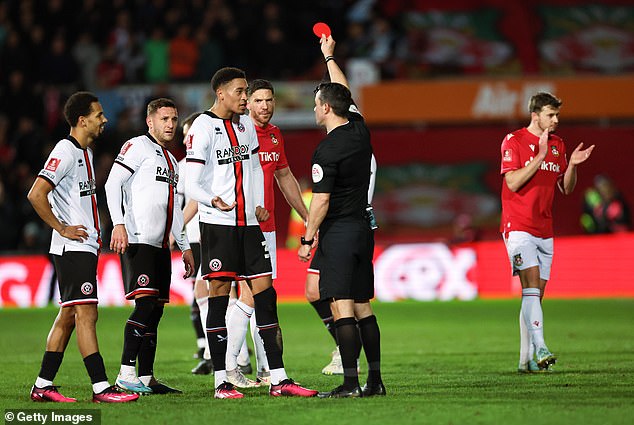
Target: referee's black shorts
{"type": "Point", "coordinates": [344, 257]}
{"type": "Point", "coordinates": [77, 277]}
{"type": "Point", "coordinates": [147, 269]}
{"type": "Point", "coordinates": [233, 252]}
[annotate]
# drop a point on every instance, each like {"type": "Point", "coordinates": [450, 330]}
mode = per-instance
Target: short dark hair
{"type": "Point", "coordinates": [78, 105]}
{"type": "Point", "coordinates": [541, 99]}
{"type": "Point", "coordinates": [337, 96]}
{"type": "Point", "coordinates": [190, 119]}
{"type": "Point", "coordinates": [259, 84]}
{"type": "Point", "coordinates": [161, 102]}
{"type": "Point", "coordinates": [225, 75]}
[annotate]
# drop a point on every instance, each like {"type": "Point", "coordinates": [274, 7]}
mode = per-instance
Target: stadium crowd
{"type": "Point", "coordinates": [45, 56]}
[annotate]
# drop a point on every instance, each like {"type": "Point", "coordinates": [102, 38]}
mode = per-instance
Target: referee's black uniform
{"type": "Point", "coordinates": [341, 167]}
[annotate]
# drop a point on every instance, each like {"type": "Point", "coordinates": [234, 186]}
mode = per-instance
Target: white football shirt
{"type": "Point", "coordinates": [70, 171]}
{"type": "Point", "coordinates": [222, 160]}
{"type": "Point", "coordinates": [141, 193]}
{"type": "Point", "coordinates": [193, 227]}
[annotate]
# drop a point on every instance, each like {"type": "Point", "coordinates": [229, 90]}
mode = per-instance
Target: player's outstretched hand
{"type": "Point", "coordinates": [261, 214]}
{"type": "Point", "coordinates": [217, 202]}
{"type": "Point", "coordinates": [578, 155]}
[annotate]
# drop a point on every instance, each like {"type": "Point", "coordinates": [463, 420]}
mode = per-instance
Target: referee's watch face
{"type": "Point", "coordinates": [233, 95]}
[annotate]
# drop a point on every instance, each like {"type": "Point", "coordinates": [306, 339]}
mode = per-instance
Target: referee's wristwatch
{"type": "Point", "coordinates": [305, 242]}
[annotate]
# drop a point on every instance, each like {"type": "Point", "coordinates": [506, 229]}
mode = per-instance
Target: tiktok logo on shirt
{"type": "Point", "coordinates": [269, 156]}
{"type": "Point", "coordinates": [546, 166]}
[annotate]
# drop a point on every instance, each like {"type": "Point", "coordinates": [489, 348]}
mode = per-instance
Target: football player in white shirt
{"type": "Point", "coordinates": [64, 196]}
{"type": "Point", "coordinates": [141, 193]}
{"type": "Point", "coordinates": [225, 177]}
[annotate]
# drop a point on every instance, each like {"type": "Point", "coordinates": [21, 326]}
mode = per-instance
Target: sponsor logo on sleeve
{"type": "Point", "coordinates": [125, 148]}
{"type": "Point", "coordinates": [317, 173]}
{"type": "Point", "coordinates": [53, 163]}
{"type": "Point", "coordinates": [189, 141]}
{"type": "Point", "coordinates": [508, 155]}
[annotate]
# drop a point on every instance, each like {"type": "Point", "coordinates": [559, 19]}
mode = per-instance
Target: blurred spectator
{"type": "Point", "coordinates": [18, 99]}
{"type": "Point", "coordinates": [183, 54]}
{"type": "Point", "coordinates": [110, 72]}
{"type": "Point", "coordinates": [134, 60]}
{"type": "Point", "coordinates": [14, 56]}
{"type": "Point", "coordinates": [58, 65]}
{"type": "Point", "coordinates": [7, 152]}
{"type": "Point", "coordinates": [210, 55]}
{"type": "Point", "coordinates": [156, 49]}
{"type": "Point", "coordinates": [88, 55]}
{"type": "Point", "coordinates": [605, 210]}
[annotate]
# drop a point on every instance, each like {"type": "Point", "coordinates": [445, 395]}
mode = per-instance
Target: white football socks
{"type": "Point", "coordinates": [237, 324]}
{"type": "Point", "coordinates": [262, 363]}
{"type": "Point", "coordinates": [203, 306]}
{"type": "Point", "coordinates": [533, 316]}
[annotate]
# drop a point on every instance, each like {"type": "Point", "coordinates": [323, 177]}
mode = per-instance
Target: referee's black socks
{"type": "Point", "coordinates": [371, 340]}
{"type": "Point", "coordinates": [349, 343]}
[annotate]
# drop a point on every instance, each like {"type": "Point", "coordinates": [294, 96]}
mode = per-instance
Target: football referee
{"type": "Point", "coordinates": [341, 175]}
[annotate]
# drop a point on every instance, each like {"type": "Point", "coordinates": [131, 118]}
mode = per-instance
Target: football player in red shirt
{"type": "Point", "coordinates": [533, 163]}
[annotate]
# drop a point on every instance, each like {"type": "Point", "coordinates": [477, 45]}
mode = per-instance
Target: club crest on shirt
{"type": "Point", "coordinates": [241, 127]}
{"type": "Point", "coordinates": [215, 265]}
{"type": "Point", "coordinates": [517, 260]}
{"type": "Point", "coordinates": [554, 150]}
{"type": "Point", "coordinates": [508, 155]}
{"type": "Point", "coordinates": [53, 163]}
{"type": "Point", "coordinates": [143, 280]}
{"type": "Point", "coordinates": [86, 288]}
{"type": "Point", "coordinates": [124, 148]}
{"type": "Point", "coordinates": [317, 173]}
{"type": "Point", "coordinates": [274, 139]}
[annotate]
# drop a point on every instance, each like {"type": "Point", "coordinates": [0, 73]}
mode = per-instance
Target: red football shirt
{"type": "Point", "coordinates": [272, 157]}
{"type": "Point", "coordinates": [530, 208]}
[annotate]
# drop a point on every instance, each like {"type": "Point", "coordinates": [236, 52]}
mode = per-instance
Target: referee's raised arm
{"type": "Point", "coordinates": [335, 72]}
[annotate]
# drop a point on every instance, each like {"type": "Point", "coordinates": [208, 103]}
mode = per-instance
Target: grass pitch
{"type": "Point", "coordinates": [443, 363]}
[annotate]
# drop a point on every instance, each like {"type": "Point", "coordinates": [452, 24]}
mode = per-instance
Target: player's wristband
{"type": "Point", "coordinates": [328, 59]}
{"type": "Point", "coordinates": [305, 242]}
